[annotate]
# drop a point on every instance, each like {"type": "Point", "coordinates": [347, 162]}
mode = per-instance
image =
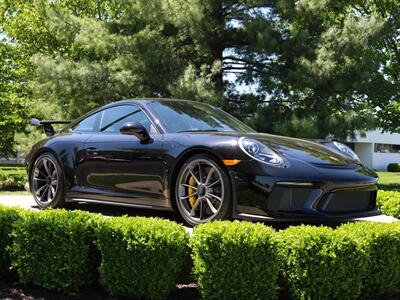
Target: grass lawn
{"type": "Point", "coordinates": [389, 180]}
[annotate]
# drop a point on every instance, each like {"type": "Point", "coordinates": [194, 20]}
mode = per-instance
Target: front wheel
{"type": "Point", "coordinates": [203, 190]}
{"type": "Point", "coordinates": [47, 184]}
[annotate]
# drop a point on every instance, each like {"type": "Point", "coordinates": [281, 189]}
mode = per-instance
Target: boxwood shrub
{"type": "Point", "coordinates": [235, 260]}
{"type": "Point", "coordinates": [8, 217]}
{"type": "Point", "coordinates": [393, 167]}
{"type": "Point", "coordinates": [141, 257]}
{"type": "Point", "coordinates": [381, 242]}
{"type": "Point", "coordinates": [54, 249]}
{"type": "Point", "coordinates": [12, 178]}
{"type": "Point", "coordinates": [389, 203]}
{"type": "Point", "coordinates": [320, 263]}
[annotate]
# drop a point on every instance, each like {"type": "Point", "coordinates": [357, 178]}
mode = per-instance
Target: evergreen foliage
{"type": "Point", "coordinates": [315, 67]}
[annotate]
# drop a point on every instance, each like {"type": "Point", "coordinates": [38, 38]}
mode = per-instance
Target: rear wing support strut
{"type": "Point", "coordinates": [47, 125]}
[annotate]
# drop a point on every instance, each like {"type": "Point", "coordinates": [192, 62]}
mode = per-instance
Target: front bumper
{"type": "Point", "coordinates": [279, 198]}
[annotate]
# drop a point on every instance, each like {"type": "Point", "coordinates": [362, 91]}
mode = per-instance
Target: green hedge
{"type": "Point", "coordinates": [54, 249]}
{"type": "Point", "coordinates": [393, 167]}
{"type": "Point", "coordinates": [8, 218]}
{"type": "Point", "coordinates": [235, 260]}
{"type": "Point", "coordinates": [389, 203]}
{"type": "Point", "coordinates": [141, 257]}
{"type": "Point", "coordinates": [320, 263]}
{"type": "Point", "coordinates": [381, 243]}
{"type": "Point", "coordinates": [12, 178]}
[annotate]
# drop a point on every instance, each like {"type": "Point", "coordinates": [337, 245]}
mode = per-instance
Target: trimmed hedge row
{"type": "Point", "coordinates": [381, 244]}
{"type": "Point", "coordinates": [389, 202]}
{"type": "Point", "coordinates": [235, 260]}
{"type": "Point", "coordinates": [8, 217]}
{"type": "Point", "coordinates": [67, 250]}
{"type": "Point", "coordinates": [12, 178]}
{"type": "Point", "coordinates": [393, 167]}
{"type": "Point", "coordinates": [321, 263]}
{"type": "Point", "coordinates": [239, 260]}
{"type": "Point", "coordinates": [54, 249]}
{"type": "Point", "coordinates": [143, 257]}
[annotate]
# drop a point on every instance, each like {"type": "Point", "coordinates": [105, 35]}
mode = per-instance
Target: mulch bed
{"type": "Point", "coordinates": [15, 291]}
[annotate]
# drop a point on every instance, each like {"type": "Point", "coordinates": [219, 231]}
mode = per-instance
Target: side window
{"type": "Point", "coordinates": [89, 124]}
{"type": "Point", "coordinates": [114, 118]}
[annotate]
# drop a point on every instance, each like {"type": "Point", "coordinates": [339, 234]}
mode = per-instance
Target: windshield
{"type": "Point", "coordinates": [187, 116]}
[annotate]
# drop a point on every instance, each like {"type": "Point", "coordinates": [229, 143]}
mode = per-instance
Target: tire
{"type": "Point", "coordinates": [47, 182]}
{"type": "Point", "coordinates": [203, 191]}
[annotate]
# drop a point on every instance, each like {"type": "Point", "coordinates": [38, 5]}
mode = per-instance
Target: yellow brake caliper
{"type": "Point", "coordinates": [192, 199]}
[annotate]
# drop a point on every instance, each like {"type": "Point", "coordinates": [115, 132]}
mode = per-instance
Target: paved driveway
{"type": "Point", "coordinates": [24, 201]}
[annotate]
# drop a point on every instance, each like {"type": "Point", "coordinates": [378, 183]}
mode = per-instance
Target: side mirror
{"type": "Point", "coordinates": [137, 130]}
{"type": "Point", "coordinates": [35, 122]}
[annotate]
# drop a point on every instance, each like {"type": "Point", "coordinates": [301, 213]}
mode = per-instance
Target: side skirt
{"type": "Point", "coordinates": [119, 204]}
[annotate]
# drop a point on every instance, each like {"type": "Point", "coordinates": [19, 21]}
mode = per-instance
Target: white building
{"type": "Point", "coordinates": [377, 149]}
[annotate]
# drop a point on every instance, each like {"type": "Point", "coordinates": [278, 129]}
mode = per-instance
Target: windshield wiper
{"type": "Point", "coordinates": [199, 130]}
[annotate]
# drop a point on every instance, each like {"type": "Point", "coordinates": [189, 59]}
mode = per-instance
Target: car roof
{"type": "Point", "coordinates": [142, 102]}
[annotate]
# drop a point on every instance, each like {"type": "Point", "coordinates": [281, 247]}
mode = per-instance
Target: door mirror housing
{"type": "Point", "coordinates": [137, 130]}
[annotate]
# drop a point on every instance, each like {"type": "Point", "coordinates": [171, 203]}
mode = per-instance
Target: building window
{"type": "Point", "coordinates": [387, 148]}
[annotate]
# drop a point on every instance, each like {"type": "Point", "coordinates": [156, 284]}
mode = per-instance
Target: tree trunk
{"type": "Point", "coordinates": [216, 44]}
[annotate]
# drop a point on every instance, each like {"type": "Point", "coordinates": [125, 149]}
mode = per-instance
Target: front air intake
{"type": "Point", "coordinates": [348, 202]}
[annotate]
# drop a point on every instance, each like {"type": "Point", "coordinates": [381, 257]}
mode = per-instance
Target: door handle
{"type": "Point", "coordinates": [92, 151]}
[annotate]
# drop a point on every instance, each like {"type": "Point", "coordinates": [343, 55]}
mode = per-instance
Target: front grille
{"type": "Point", "coordinates": [288, 199]}
{"type": "Point", "coordinates": [348, 202]}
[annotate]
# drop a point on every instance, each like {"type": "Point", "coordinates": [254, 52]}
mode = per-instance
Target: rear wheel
{"type": "Point", "coordinates": [47, 182]}
{"type": "Point", "coordinates": [203, 190]}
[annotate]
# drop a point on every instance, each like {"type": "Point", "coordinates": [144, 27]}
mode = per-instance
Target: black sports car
{"type": "Point", "coordinates": [198, 160]}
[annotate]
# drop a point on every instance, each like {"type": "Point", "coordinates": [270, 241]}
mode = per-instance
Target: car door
{"type": "Point", "coordinates": [118, 167]}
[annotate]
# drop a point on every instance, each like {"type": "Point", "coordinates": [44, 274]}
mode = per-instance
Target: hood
{"type": "Point", "coordinates": [308, 151]}
{"type": "Point", "coordinates": [293, 148]}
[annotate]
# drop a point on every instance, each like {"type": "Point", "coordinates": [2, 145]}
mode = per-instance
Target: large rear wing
{"type": "Point", "coordinates": [47, 125]}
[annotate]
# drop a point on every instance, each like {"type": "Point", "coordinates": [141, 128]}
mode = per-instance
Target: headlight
{"type": "Point", "coordinates": [260, 152]}
{"type": "Point", "coordinates": [346, 150]}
